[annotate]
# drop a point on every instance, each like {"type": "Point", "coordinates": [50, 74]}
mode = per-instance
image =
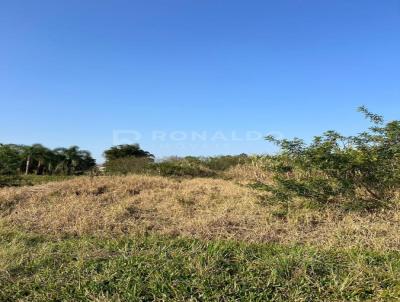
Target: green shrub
{"type": "Point", "coordinates": [334, 167]}
{"type": "Point", "coordinates": [9, 180]}
{"type": "Point", "coordinates": [224, 162]}
{"type": "Point", "coordinates": [9, 165]}
{"type": "Point", "coordinates": [9, 160]}
{"type": "Point", "coordinates": [189, 166]}
{"type": "Point", "coordinates": [128, 165]}
{"type": "Point", "coordinates": [182, 168]}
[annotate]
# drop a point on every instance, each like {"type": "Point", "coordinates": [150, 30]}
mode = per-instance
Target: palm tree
{"type": "Point", "coordinates": [43, 156]}
{"type": "Point", "coordinates": [36, 153]}
{"type": "Point", "coordinates": [74, 161]}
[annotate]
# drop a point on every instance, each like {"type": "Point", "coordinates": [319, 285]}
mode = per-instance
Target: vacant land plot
{"type": "Point", "coordinates": [144, 238]}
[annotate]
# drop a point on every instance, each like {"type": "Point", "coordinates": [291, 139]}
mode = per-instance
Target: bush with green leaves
{"type": "Point", "coordinates": [127, 165]}
{"type": "Point", "coordinates": [182, 168]}
{"type": "Point", "coordinates": [224, 162]}
{"type": "Point", "coordinates": [365, 167]}
{"type": "Point", "coordinates": [10, 158]}
{"type": "Point", "coordinates": [198, 166]}
{"type": "Point", "coordinates": [173, 166]}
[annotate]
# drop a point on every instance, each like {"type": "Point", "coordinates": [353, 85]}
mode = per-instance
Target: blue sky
{"type": "Point", "coordinates": [79, 72]}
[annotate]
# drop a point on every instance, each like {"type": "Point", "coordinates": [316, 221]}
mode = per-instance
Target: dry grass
{"type": "Point", "coordinates": [201, 208]}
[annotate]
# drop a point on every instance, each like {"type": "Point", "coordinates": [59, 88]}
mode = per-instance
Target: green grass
{"type": "Point", "coordinates": [31, 179]}
{"type": "Point", "coordinates": [148, 268]}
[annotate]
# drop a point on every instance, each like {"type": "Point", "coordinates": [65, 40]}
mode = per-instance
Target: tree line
{"type": "Point", "coordinates": [40, 160]}
{"type": "Point", "coordinates": [331, 168]}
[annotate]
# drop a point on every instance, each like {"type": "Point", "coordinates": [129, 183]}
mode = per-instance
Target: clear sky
{"type": "Point", "coordinates": [80, 72]}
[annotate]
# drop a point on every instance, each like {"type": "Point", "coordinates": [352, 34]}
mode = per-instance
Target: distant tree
{"type": "Point", "coordinates": [72, 160]}
{"type": "Point", "coordinates": [35, 157]}
{"type": "Point", "coordinates": [41, 160]}
{"type": "Point", "coordinates": [85, 163]}
{"type": "Point", "coordinates": [123, 151]}
{"type": "Point", "coordinates": [10, 159]}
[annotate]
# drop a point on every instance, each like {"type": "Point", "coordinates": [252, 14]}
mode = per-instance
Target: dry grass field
{"type": "Point", "coordinates": [149, 238]}
{"type": "Point", "coordinates": [201, 208]}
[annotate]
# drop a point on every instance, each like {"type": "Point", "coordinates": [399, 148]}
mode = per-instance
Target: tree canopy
{"type": "Point", "coordinates": [123, 151]}
{"type": "Point", "coordinates": [38, 159]}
